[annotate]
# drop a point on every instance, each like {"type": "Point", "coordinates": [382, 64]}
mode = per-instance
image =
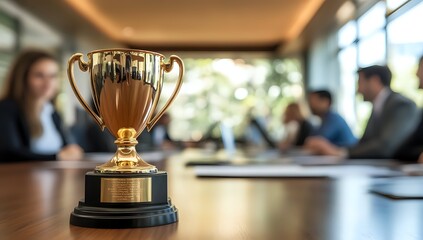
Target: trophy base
{"type": "Point", "coordinates": [107, 217]}
{"type": "Point", "coordinates": [124, 200]}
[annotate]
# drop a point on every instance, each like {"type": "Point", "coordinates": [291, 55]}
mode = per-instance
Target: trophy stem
{"type": "Point", "coordinates": [126, 158]}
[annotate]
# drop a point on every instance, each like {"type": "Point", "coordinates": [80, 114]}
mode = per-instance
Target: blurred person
{"type": "Point", "coordinates": [31, 128]}
{"type": "Point", "coordinates": [93, 139]}
{"type": "Point", "coordinates": [333, 127]}
{"type": "Point", "coordinates": [393, 118]}
{"type": "Point", "coordinates": [96, 140]}
{"type": "Point", "coordinates": [298, 127]}
{"type": "Point", "coordinates": [412, 148]}
{"type": "Point", "coordinates": [160, 133]}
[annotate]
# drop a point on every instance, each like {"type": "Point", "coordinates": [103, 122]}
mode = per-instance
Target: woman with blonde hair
{"type": "Point", "coordinates": [30, 127]}
{"type": "Point", "coordinates": [298, 128]}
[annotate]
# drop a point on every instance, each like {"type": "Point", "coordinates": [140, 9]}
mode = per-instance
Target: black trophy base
{"type": "Point", "coordinates": [122, 200]}
{"type": "Point", "coordinates": [101, 217]}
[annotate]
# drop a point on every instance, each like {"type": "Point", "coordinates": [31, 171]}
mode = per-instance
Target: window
{"type": "Point", "coordinates": [347, 58]}
{"type": "Point", "coordinates": [372, 21]}
{"type": "Point", "coordinates": [371, 34]}
{"type": "Point", "coordinates": [8, 41]}
{"type": "Point", "coordinates": [372, 50]}
{"type": "Point", "coordinates": [229, 90]}
{"type": "Point", "coordinates": [394, 4]}
{"type": "Point", "coordinates": [405, 43]}
{"type": "Point", "coordinates": [347, 34]}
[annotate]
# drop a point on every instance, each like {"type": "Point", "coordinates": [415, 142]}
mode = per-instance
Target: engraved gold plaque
{"type": "Point", "coordinates": [125, 190]}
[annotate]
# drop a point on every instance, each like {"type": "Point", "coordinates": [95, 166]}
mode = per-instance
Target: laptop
{"type": "Point", "coordinates": [229, 154]}
{"type": "Point", "coordinates": [220, 157]}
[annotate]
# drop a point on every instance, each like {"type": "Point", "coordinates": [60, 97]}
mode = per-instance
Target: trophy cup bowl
{"type": "Point", "coordinates": [126, 191]}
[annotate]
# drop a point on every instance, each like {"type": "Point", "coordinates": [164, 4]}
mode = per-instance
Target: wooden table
{"type": "Point", "coordinates": [37, 198]}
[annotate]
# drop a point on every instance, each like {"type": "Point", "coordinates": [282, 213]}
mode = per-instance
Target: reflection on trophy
{"type": "Point", "coordinates": [125, 192]}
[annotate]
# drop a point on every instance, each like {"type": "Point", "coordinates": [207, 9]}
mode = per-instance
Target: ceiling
{"type": "Point", "coordinates": [186, 25]}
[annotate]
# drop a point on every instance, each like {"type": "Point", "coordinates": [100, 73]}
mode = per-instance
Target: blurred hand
{"type": "Point", "coordinates": [420, 158]}
{"type": "Point", "coordinates": [284, 145]}
{"type": "Point", "coordinates": [189, 144]}
{"type": "Point", "coordinates": [167, 145]}
{"type": "Point", "coordinates": [321, 146]}
{"type": "Point", "coordinates": [70, 152]}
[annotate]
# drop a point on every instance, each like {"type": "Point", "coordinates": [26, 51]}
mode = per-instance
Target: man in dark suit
{"type": "Point", "coordinates": [392, 120]}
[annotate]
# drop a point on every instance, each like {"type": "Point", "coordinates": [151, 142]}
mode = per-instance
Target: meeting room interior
{"type": "Point", "coordinates": [203, 120]}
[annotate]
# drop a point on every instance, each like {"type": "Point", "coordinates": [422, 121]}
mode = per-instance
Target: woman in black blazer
{"type": "Point", "coordinates": [30, 128]}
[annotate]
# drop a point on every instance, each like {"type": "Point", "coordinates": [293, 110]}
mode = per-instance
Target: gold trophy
{"type": "Point", "coordinates": [126, 191]}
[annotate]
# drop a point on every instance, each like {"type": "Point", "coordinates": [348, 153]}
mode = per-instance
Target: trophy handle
{"type": "Point", "coordinates": [167, 68]}
{"type": "Point", "coordinates": [84, 67]}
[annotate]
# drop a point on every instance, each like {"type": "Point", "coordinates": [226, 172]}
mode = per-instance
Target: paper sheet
{"type": "Point", "coordinates": [413, 169]}
{"type": "Point", "coordinates": [292, 171]}
{"type": "Point", "coordinates": [316, 160]}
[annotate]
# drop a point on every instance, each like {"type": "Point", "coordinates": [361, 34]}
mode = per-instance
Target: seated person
{"type": "Point", "coordinates": [160, 133]}
{"type": "Point", "coordinates": [298, 127]}
{"type": "Point", "coordinates": [96, 140]}
{"type": "Point", "coordinates": [412, 148]}
{"type": "Point", "coordinates": [333, 127]}
{"type": "Point", "coordinates": [392, 120]}
{"type": "Point", "coordinates": [30, 127]}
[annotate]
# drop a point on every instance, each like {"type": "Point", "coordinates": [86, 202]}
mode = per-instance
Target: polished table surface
{"type": "Point", "coordinates": [37, 198]}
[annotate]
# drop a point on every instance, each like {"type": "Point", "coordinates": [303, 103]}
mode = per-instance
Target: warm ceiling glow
{"type": "Point", "coordinates": [310, 8]}
{"type": "Point", "coordinates": [89, 11]}
{"type": "Point", "coordinates": [189, 22]}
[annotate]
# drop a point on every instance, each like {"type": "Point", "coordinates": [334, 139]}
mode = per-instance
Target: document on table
{"type": "Point", "coordinates": [399, 188]}
{"type": "Point", "coordinates": [292, 171]}
{"type": "Point", "coordinates": [316, 160]}
{"type": "Point", "coordinates": [412, 169]}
